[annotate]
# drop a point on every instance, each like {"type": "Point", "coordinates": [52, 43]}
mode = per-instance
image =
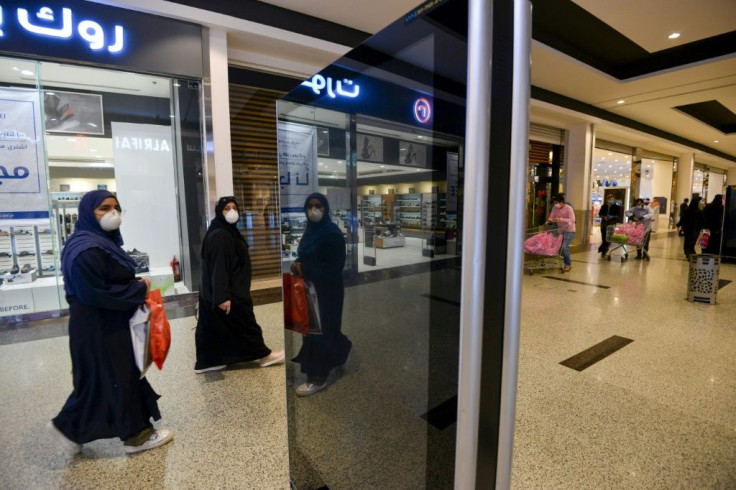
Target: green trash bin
{"type": "Point", "coordinates": [702, 280]}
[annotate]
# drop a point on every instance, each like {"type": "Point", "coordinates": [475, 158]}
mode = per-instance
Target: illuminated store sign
{"type": "Point", "coordinates": [423, 110]}
{"type": "Point", "coordinates": [46, 24]}
{"type": "Point", "coordinates": [102, 35]}
{"type": "Point", "coordinates": [319, 83]}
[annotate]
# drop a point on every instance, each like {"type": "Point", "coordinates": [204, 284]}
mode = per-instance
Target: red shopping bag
{"type": "Point", "coordinates": [160, 330]}
{"type": "Point", "coordinates": [296, 305]}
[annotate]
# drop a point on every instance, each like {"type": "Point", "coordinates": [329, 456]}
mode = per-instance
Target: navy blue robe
{"type": "Point", "coordinates": [323, 266]}
{"type": "Point", "coordinates": [109, 400]}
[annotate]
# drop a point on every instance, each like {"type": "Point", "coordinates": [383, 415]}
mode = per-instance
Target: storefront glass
{"type": "Point", "coordinates": [611, 177]}
{"type": "Point", "coordinates": [384, 137]}
{"type": "Point", "coordinates": [94, 129]}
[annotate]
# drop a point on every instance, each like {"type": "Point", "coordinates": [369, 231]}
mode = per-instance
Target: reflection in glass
{"type": "Point", "coordinates": [388, 159]}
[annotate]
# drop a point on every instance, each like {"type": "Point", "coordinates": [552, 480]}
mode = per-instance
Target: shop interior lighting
{"type": "Point", "coordinates": [674, 35]}
{"type": "Point", "coordinates": [715, 141]}
{"type": "Point", "coordinates": [27, 73]}
{"type": "Point", "coordinates": [621, 101]}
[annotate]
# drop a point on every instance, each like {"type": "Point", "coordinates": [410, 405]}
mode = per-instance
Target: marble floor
{"type": "Point", "coordinates": [658, 413]}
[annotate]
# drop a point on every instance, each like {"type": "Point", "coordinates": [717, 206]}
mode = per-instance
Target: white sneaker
{"type": "Point", "coordinates": [158, 438]}
{"type": "Point", "coordinates": [309, 388]}
{"type": "Point", "coordinates": [213, 368]}
{"type": "Point", "coordinates": [275, 357]}
{"type": "Point", "coordinates": [70, 447]}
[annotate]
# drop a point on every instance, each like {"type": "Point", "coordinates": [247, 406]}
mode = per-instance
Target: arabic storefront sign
{"type": "Point", "coordinates": [297, 165]}
{"type": "Point", "coordinates": [22, 172]}
{"type": "Point", "coordinates": [45, 23]}
{"type": "Point", "coordinates": [342, 88]}
{"type": "Point", "coordinates": [100, 34]}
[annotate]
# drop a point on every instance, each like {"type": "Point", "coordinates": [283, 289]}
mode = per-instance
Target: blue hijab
{"type": "Point", "coordinates": [89, 234]}
{"type": "Point", "coordinates": [316, 232]}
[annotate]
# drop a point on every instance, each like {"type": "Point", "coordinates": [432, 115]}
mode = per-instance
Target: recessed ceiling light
{"type": "Point", "coordinates": [715, 141]}
{"type": "Point", "coordinates": [620, 101]}
{"type": "Point", "coordinates": [674, 35]}
{"type": "Point", "coordinates": [27, 73]}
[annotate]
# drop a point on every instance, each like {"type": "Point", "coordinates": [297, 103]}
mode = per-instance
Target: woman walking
{"type": "Point", "coordinates": [321, 258]}
{"type": "Point", "coordinates": [109, 398]}
{"type": "Point", "coordinates": [227, 330]}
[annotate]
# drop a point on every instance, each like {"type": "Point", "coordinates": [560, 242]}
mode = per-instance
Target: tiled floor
{"type": "Point", "coordinates": [658, 413]}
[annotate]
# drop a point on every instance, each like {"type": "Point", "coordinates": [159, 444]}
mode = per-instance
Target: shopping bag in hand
{"type": "Point", "coordinates": [139, 333]}
{"type": "Point", "coordinates": [296, 306]}
{"type": "Point", "coordinates": [160, 334]}
{"type": "Point", "coordinates": [704, 238]}
{"type": "Point", "coordinates": [315, 322]}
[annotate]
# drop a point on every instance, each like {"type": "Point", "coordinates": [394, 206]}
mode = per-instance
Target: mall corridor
{"type": "Point", "coordinates": [660, 412]}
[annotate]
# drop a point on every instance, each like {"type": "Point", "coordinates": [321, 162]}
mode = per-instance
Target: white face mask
{"type": "Point", "coordinates": [232, 216]}
{"type": "Point", "coordinates": [314, 215]}
{"type": "Point", "coordinates": [558, 206]}
{"type": "Point", "coordinates": [111, 220]}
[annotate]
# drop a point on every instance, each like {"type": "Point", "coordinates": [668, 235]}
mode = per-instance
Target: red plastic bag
{"type": "Point", "coordinates": [296, 305]}
{"type": "Point", "coordinates": [704, 239]}
{"type": "Point", "coordinates": [160, 330]}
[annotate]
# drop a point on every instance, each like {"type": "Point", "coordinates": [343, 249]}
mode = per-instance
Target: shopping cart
{"type": "Point", "coordinates": [624, 236]}
{"type": "Point", "coordinates": [543, 245]}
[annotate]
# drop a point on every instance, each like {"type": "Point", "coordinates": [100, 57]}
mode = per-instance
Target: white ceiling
{"type": "Point", "coordinates": [649, 99]}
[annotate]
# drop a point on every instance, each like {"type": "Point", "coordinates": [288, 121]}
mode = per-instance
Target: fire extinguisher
{"type": "Point", "coordinates": [175, 269]}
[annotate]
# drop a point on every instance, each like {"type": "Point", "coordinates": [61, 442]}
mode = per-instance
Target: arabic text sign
{"type": "Point", "coordinates": [297, 165]}
{"type": "Point", "coordinates": [343, 88]}
{"type": "Point", "coordinates": [22, 174]}
{"type": "Point", "coordinates": [87, 31]}
{"type": "Point", "coordinates": [45, 23]}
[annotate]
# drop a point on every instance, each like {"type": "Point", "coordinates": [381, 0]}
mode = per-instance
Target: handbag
{"type": "Point", "coordinates": [140, 335]}
{"type": "Point", "coordinates": [296, 307]}
{"type": "Point", "coordinates": [704, 238]}
{"type": "Point", "coordinates": [301, 306]}
{"type": "Point", "coordinates": [160, 330]}
{"type": "Point", "coordinates": [315, 322]}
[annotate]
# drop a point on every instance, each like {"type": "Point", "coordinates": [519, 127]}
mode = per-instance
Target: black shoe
{"type": "Point", "coordinates": [26, 269]}
{"type": "Point", "coordinates": [638, 257]}
{"type": "Point", "coordinates": [25, 253]}
{"type": "Point", "coordinates": [15, 269]}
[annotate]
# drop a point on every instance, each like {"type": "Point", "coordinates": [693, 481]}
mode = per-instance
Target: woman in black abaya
{"type": "Point", "coordinates": [227, 330]}
{"type": "Point", "coordinates": [321, 258]}
{"type": "Point", "coordinates": [109, 398]}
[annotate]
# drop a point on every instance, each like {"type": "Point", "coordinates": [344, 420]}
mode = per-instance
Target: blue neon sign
{"type": "Point", "coordinates": [46, 24]}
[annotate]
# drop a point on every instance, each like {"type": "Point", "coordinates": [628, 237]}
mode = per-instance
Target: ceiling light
{"type": "Point", "coordinates": [715, 141]}
{"type": "Point", "coordinates": [620, 101]}
{"type": "Point", "coordinates": [27, 73]}
{"type": "Point", "coordinates": [674, 35]}
{"type": "Point", "coordinates": [321, 163]}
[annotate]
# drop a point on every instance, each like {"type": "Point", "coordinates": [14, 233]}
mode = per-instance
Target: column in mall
{"type": "Point", "coordinates": [731, 176]}
{"type": "Point", "coordinates": [217, 119]}
{"type": "Point", "coordinates": [684, 183]}
{"type": "Point", "coordinates": [578, 162]}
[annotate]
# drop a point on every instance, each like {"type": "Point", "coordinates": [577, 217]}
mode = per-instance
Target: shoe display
{"type": "Point", "coordinates": [47, 231]}
{"type": "Point", "coordinates": [25, 253]}
{"type": "Point", "coordinates": [213, 368]}
{"type": "Point", "coordinates": [157, 439]}
{"type": "Point", "coordinates": [15, 269]}
{"type": "Point", "coordinates": [26, 269]}
{"type": "Point", "coordinates": [70, 447]}
{"type": "Point", "coordinates": [51, 267]}
{"type": "Point", "coordinates": [275, 357]}
{"type": "Point", "coordinates": [4, 233]}
{"type": "Point", "coordinates": [4, 254]}
{"type": "Point", "coordinates": [310, 387]}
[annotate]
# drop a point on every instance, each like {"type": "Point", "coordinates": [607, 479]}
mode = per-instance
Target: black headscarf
{"type": "Point", "coordinates": [316, 232]}
{"type": "Point", "coordinates": [220, 223]}
{"type": "Point", "coordinates": [89, 234]}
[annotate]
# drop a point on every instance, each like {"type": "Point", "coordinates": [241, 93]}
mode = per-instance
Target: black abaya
{"type": "Point", "coordinates": [109, 400]}
{"type": "Point", "coordinates": [226, 276]}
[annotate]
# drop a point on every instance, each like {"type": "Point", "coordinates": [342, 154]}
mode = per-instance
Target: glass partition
{"type": "Point", "coordinates": [372, 399]}
{"type": "Point", "coordinates": [71, 129]}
